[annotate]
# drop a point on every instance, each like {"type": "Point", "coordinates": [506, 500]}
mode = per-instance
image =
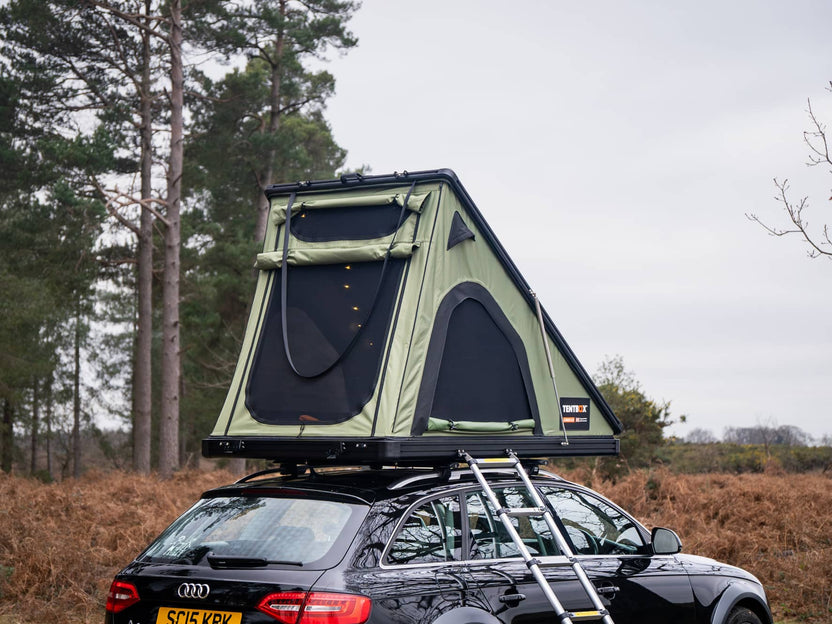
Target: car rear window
{"type": "Point", "coordinates": [294, 531]}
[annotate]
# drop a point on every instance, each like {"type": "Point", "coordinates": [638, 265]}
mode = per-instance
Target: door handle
{"type": "Point", "coordinates": [607, 589]}
{"type": "Point", "coordinates": [512, 597]}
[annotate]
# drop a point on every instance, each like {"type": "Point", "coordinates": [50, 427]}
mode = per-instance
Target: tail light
{"type": "Point", "coordinates": [316, 608]}
{"type": "Point", "coordinates": [121, 596]}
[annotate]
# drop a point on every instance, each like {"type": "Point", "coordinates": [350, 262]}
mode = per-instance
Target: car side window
{"type": "Point", "coordinates": [488, 536]}
{"type": "Point", "coordinates": [432, 533]}
{"type": "Point", "coordinates": [593, 526]}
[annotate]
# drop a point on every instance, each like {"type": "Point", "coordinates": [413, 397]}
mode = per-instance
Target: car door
{"type": "Point", "coordinates": [635, 585]}
{"type": "Point", "coordinates": [496, 571]}
{"type": "Point", "coordinates": [420, 576]}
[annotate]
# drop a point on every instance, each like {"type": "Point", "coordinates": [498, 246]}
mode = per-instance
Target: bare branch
{"type": "Point", "coordinates": [117, 200]}
{"type": "Point", "coordinates": [817, 141]}
{"type": "Point", "coordinates": [134, 19]}
{"type": "Point", "coordinates": [795, 212]}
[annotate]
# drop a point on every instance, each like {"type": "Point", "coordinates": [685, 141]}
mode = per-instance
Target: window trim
{"type": "Point", "coordinates": [384, 563]}
{"type": "Point", "coordinates": [461, 493]}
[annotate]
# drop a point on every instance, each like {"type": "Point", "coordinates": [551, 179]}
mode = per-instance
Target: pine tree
{"type": "Point", "coordinates": [283, 35]}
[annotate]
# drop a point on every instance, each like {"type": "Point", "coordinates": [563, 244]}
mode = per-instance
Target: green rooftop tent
{"type": "Point", "coordinates": [389, 326]}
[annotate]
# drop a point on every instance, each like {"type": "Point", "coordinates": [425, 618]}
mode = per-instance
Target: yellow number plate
{"type": "Point", "coordinates": [197, 616]}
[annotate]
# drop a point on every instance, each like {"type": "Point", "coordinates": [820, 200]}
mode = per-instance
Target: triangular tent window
{"type": "Point", "coordinates": [476, 374]}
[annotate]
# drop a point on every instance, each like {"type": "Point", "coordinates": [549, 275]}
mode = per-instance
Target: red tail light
{"type": "Point", "coordinates": [121, 596]}
{"type": "Point", "coordinates": [316, 608]}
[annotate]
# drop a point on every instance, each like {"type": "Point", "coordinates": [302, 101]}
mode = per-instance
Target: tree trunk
{"type": "Point", "coordinates": [33, 466]}
{"type": "Point", "coordinates": [142, 384]}
{"type": "Point", "coordinates": [48, 418]}
{"type": "Point", "coordinates": [169, 425]}
{"type": "Point", "coordinates": [267, 174]}
{"type": "Point", "coordinates": [7, 437]}
{"type": "Point", "coordinates": [76, 396]}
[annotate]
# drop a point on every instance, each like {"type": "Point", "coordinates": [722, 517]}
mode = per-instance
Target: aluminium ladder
{"type": "Point", "coordinates": [539, 511]}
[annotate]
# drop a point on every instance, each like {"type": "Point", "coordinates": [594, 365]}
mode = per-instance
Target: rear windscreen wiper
{"type": "Point", "coordinates": [232, 561]}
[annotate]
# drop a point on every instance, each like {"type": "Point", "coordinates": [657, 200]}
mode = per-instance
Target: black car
{"type": "Point", "coordinates": [415, 546]}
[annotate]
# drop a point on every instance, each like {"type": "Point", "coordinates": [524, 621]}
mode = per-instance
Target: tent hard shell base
{"type": "Point", "coordinates": [390, 326]}
{"type": "Point", "coordinates": [436, 451]}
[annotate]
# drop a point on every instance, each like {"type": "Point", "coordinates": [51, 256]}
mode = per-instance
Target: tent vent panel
{"type": "Point", "coordinates": [459, 231]}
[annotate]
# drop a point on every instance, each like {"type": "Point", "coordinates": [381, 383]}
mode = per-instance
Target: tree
{"type": "Point", "coordinates": [644, 420]}
{"type": "Point", "coordinates": [83, 92]}
{"type": "Point", "coordinates": [63, 55]}
{"type": "Point", "coordinates": [767, 434]}
{"type": "Point", "coordinates": [47, 226]}
{"type": "Point", "coordinates": [818, 240]}
{"type": "Point", "coordinates": [146, 20]}
{"type": "Point", "coordinates": [171, 371]}
{"type": "Point", "coordinates": [700, 436]}
{"type": "Point", "coordinates": [282, 35]}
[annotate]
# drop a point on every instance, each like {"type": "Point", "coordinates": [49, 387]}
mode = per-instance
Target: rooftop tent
{"type": "Point", "coordinates": [389, 326]}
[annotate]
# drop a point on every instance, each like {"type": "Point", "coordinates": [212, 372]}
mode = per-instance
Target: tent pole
{"type": "Point", "coordinates": [551, 366]}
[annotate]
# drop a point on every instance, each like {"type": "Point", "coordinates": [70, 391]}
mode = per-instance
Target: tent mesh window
{"type": "Point", "coordinates": [479, 378]}
{"type": "Point", "coordinates": [352, 223]}
{"type": "Point", "coordinates": [327, 305]}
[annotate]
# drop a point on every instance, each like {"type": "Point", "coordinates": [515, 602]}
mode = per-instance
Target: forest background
{"type": "Point", "coordinates": [137, 139]}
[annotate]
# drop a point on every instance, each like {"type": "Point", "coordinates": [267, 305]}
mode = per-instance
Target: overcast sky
{"type": "Point", "coordinates": [615, 147]}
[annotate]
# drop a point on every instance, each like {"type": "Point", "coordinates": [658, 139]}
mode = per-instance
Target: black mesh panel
{"type": "Point", "coordinates": [479, 377]}
{"type": "Point", "coordinates": [330, 224]}
{"type": "Point", "coordinates": [327, 305]}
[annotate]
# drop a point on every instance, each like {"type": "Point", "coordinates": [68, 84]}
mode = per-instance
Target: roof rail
{"type": "Point", "coordinates": [286, 470]}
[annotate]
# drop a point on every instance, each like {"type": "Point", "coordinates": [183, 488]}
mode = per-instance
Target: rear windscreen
{"type": "Point", "coordinates": [293, 531]}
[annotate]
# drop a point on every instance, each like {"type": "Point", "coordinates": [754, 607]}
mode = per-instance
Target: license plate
{"type": "Point", "coordinates": [197, 616]}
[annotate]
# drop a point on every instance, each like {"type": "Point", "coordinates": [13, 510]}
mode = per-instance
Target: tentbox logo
{"type": "Point", "coordinates": [575, 414]}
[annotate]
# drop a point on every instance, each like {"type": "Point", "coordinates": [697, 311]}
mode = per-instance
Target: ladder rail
{"type": "Point", "coordinates": [577, 568]}
{"type": "Point", "coordinates": [540, 510]}
{"type": "Point", "coordinates": [518, 541]}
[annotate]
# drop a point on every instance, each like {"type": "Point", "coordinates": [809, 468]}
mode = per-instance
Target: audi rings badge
{"type": "Point", "coordinates": [193, 590]}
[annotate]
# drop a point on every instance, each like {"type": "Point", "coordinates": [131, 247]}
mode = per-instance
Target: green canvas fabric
{"type": "Point", "coordinates": [432, 272]}
{"type": "Point", "coordinates": [467, 426]}
{"type": "Point", "coordinates": [334, 255]}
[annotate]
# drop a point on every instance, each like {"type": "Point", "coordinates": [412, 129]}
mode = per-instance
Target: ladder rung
{"type": "Point", "coordinates": [587, 616]}
{"type": "Point", "coordinates": [495, 462]}
{"type": "Point", "coordinates": [522, 512]}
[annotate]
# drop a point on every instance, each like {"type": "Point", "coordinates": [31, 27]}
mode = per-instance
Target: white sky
{"type": "Point", "coordinates": [614, 148]}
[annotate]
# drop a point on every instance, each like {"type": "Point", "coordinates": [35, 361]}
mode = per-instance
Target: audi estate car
{"type": "Point", "coordinates": [416, 546]}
